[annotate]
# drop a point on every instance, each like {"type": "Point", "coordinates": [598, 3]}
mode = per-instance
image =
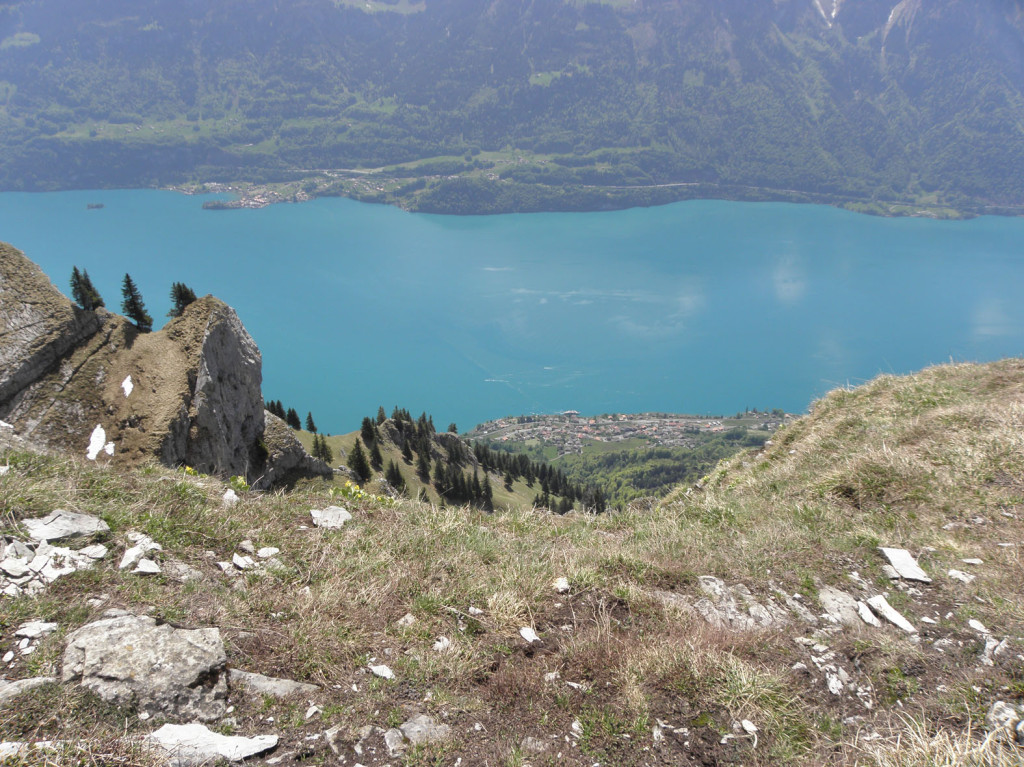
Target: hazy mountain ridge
{"type": "Point", "coordinates": [857, 100]}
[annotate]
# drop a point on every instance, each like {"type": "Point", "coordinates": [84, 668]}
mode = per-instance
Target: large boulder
{"type": "Point", "coordinates": [176, 674]}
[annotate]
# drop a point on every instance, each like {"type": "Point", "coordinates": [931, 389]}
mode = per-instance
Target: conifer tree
{"type": "Point", "coordinates": [394, 476]}
{"type": "Point", "coordinates": [292, 419]}
{"type": "Point", "coordinates": [407, 450]}
{"type": "Point", "coordinates": [423, 465]}
{"type": "Point", "coordinates": [310, 425]}
{"type": "Point", "coordinates": [358, 463]}
{"type": "Point", "coordinates": [381, 415]}
{"type": "Point", "coordinates": [376, 459]}
{"type": "Point", "coordinates": [367, 431]}
{"type": "Point", "coordinates": [181, 296]}
{"type": "Point", "coordinates": [133, 307]}
{"type": "Point", "coordinates": [82, 291]}
{"type": "Point", "coordinates": [488, 496]}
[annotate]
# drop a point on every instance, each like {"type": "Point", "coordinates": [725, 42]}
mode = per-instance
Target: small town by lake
{"type": "Point", "coordinates": [698, 307]}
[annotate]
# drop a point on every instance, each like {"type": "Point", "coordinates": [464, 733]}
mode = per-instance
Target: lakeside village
{"type": "Point", "coordinates": [569, 431]}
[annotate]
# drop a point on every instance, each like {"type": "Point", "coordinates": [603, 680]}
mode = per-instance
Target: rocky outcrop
{"type": "Point", "coordinates": [173, 673]}
{"type": "Point", "coordinates": [92, 384]}
{"type": "Point", "coordinates": [285, 458]}
{"type": "Point", "coordinates": [39, 325]}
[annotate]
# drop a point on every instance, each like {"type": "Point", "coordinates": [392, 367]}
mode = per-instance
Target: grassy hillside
{"type": "Point", "coordinates": [627, 672]}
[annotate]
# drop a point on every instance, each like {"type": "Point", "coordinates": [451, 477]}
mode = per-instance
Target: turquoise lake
{"type": "Point", "coordinates": [698, 307]}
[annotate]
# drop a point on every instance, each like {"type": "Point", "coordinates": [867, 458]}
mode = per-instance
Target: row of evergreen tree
{"type": "Point", "coordinates": [84, 293]}
{"type": "Point", "coordinates": [417, 437]}
{"type": "Point", "coordinates": [290, 416]}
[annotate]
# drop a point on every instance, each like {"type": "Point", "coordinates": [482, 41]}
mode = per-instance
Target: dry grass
{"type": "Point", "coordinates": [890, 464]}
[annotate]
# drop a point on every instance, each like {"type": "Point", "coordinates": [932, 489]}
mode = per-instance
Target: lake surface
{"type": "Point", "coordinates": [699, 307]}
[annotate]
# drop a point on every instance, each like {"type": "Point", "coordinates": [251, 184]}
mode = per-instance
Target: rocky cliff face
{"type": "Point", "coordinates": [90, 383]}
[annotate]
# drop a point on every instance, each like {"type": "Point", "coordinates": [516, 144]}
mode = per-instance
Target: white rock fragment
{"type": "Point", "coordinates": [407, 620]}
{"type": "Point", "coordinates": [96, 442]}
{"type": "Point", "coordinates": [748, 727]}
{"type": "Point", "coordinates": [109, 448]}
{"type": "Point", "coordinates": [960, 575]}
{"type": "Point", "coordinates": [529, 634]}
{"type": "Point", "coordinates": [973, 561]}
{"type": "Point", "coordinates": [978, 626]}
{"type": "Point", "coordinates": [313, 711]}
{"type": "Point", "coordinates": [267, 552]}
{"type": "Point", "coordinates": [330, 518]}
{"type": "Point", "coordinates": [143, 545]}
{"type": "Point", "coordinates": [194, 744]}
{"type": "Point", "coordinates": [561, 585]}
{"type": "Point", "coordinates": [4, 470]}
{"type": "Point", "coordinates": [443, 644]}
{"type": "Point", "coordinates": [230, 497]}
{"type": "Point", "coordinates": [475, 611]}
{"type": "Point", "coordinates": [147, 567]}
{"type": "Point", "coordinates": [96, 551]}
{"type": "Point", "coordinates": [60, 524]}
{"type": "Point", "coordinates": [127, 386]}
{"type": "Point", "coordinates": [882, 607]}
{"type": "Point", "coordinates": [905, 565]}
{"type": "Point", "coordinates": [929, 621]}
{"type": "Point", "coordinates": [382, 671]}
{"type": "Point", "coordinates": [8, 656]}
{"type": "Point", "coordinates": [552, 676]}
{"type": "Point", "coordinates": [867, 616]}
{"type": "Point", "coordinates": [35, 629]}
{"type": "Point", "coordinates": [242, 563]}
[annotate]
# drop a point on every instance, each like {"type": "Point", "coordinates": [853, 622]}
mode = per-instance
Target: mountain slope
{"type": "Point", "coordinates": [720, 627]}
{"type": "Point", "coordinates": [539, 105]}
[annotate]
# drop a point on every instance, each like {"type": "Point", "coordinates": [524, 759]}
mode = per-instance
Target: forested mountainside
{"type": "Point", "coordinates": [515, 105]}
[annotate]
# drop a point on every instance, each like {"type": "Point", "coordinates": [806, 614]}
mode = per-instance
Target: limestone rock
{"type": "Point", "coordinates": [905, 565]}
{"type": "Point", "coordinates": [419, 730]}
{"type": "Point", "coordinates": [382, 671]}
{"type": "Point", "coordinates": [173, 673]}
{"type": "Point", "coordinates": [287, 460]}
{"type": "Point", "coordinates": [735, 607]}
{"type": "Point", "coordinates": [330, 518]}
{"type": "Point", "coordinates": [1002, 721]}
{"type": "Point", "coordinates": [10, 690]}
{"type": "Point", "coordinates": [194, 744]}
{"type": "Point", "coordinates": [881, 606]}
{"type": "Point", "coordinates": [40, 325]}
{"type": "Point", "coordinates": [840, 605]}
{"type": "Point", "coordinates": [60, 525]}
{"type": "Point", "coordinates": [268, 685]}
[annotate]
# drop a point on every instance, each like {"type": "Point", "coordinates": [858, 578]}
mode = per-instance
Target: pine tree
{"type": "Point", "coordinates": [376, 459]}
{"type": "Point", "coordinates": [181, 296]}
{"type": "Point", "coordinates": [83, 292]}
{"type": "Point", "coordinates": [292, 419]}
{"type": "Point", "coordinates": [423, 465]}
{"type": "Point", "coordinates": [133, 307]}
{"type": "Point", "coordinates": [394, 476]}
{"type": "Point", "coordinates": [97, 300]}
{"type": "Point", "coordinates": [407, 450]}
{"type": "Point", "coordinates": [358, 463]}
{"type": "Point", "coordinates": [452, 428]}
{"type": "Point", "coordinates": [381, 415]}
{"type": "Point", "coordinates": [488, 496]}
{"type": "Point", "coordinates": [310, 426]}
{"type": "Point", "coordinates": [367, 432]}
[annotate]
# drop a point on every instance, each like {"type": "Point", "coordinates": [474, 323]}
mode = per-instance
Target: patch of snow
{"type": "Point", "coordinates": [127, 386]}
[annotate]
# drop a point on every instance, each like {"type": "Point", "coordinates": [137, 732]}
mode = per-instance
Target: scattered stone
{"type": "Point", "coordinates": [960, 575]}
{"type": "Point", "coordinates": [443, 644]}
{"type": "Point", "coordinates": [4, 470]}
{"type": "Point", "coordinates": [561, 585]}
{"type": "Point", "coordinates": [230, 497]}
{"type": "Point", "coordinates": [905, 565]}
{"type": "Point", "coordinates": [330, 518]}
{"type": "Point", "coordinates": [8, 656]}
{"type": "Point", "coordinates": [978, 626]}
{"type": "Point", "coordinates": [59, 525]}
{"type": "Point", "coordinates": [972, 561]}
{"type": "Point", "coordinates": [181, 572]}
{"type": "Point", "coordinates": [143, 545]}
{"type": "Point", "coordinates": [382, 671]}
{"type": "Point", "coordinates": [147, 567]}
{"type": "Point", "coordinates": [475, 611]}
{"type": "Point", "coordinates": [267, 552]}
{"type": "Point", "coordinates": [313, 711]}
{"type": "Point", "coordinates": [890, 572]}
{"type": "Point", "coordinates": [10, 690]}
{"type": "Point", "coordinates": [395, 742]}
{"type": "Point", "coordinates": [35, 629]}
{"type": "Point", "coordinates": [531, 745]}
{"type": "Point", "coordinates": [407, 620]}
{"type": "Point", "coordinates": [733, 607]}
{"type": "Point", "coordinates": [929, 621]}
{"type": "Point", "coordinates": [1003, 720]}
{"type": "Point", "coordinates": [552, 676]}
{"type": "Point", "coordinates": [194, 744]}
{"type": "Point", "coordinates": [96, 551]}
{"type": "Point", "coordinates": [421, 729]}
{"type": "Point", "coordinates": [247, 546]}
{"type": "Point", "coordinates": [992, 650]}
{"type": "Point", "coordinates": [840, 606]}
{"type": "Point", "coordinates": [884, 610]}
{"type": "Point", "coordinates": [242, 563]}
{"type": "Point", "coordinates": [173, 673]}
{"type": "Point", "coordinates": [867, 616]}
{"type": "Point", "coordinates": [268, 685]}
{"type": "Point", "coordinates": [15, 568]}
{"type": "Point", "coordinates": [529, 634]}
